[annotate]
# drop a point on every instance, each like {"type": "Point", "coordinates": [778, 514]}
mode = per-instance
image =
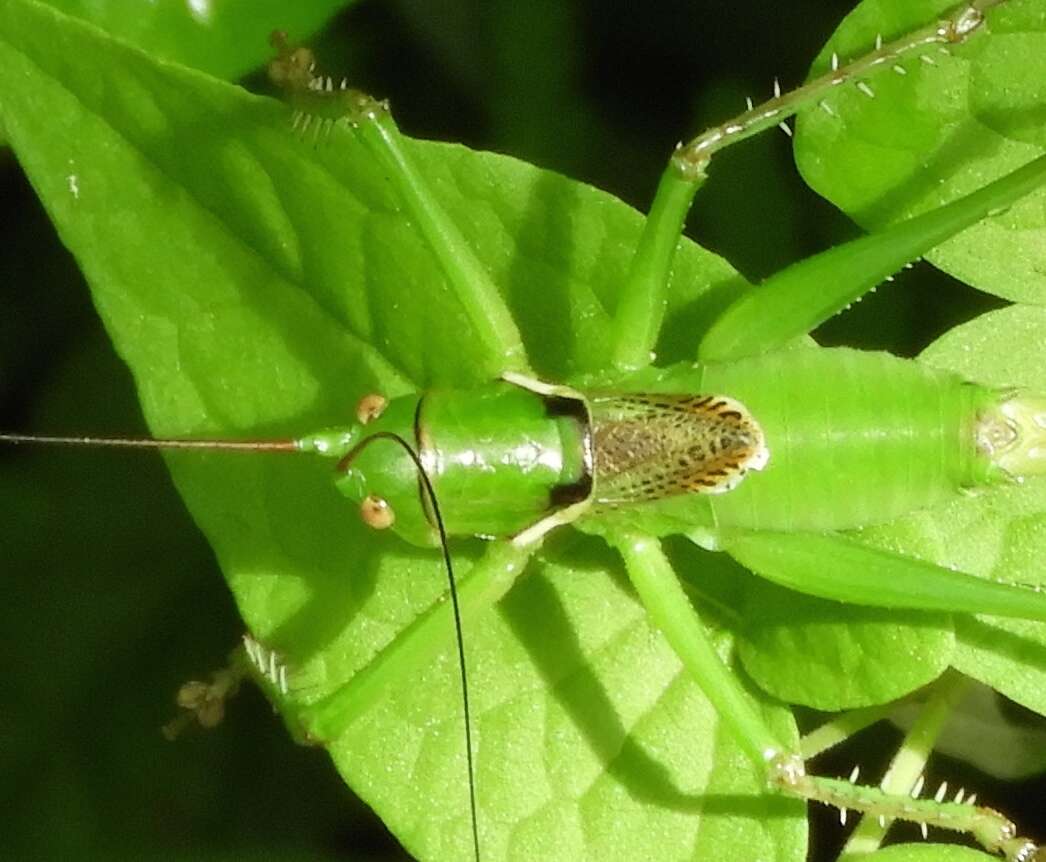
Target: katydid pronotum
{"type": "Point", "coordinates": [626, 322]}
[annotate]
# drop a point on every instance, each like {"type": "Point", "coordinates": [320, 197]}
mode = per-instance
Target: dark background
{"type": "Point", "coordinates": [112, 598]}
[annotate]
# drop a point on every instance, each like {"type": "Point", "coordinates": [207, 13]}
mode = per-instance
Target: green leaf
{"type": "Point", "coordinates": [831, 656]}
{"type": "Point", "coordinates": [226, 39]}
{"type": "Point", "coordinates": [938, 132]}
{"type": "Point", "coordinates": [258, 286]}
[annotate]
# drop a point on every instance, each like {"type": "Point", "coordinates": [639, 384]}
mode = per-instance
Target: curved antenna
{"type": "Point", "coordinates": [344, 465]}
{"type": "Point", "coordinates": [295, 446]}
{"type": "Point", "coordinates": [157, 443]}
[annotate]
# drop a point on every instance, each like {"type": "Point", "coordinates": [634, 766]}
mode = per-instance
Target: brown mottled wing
{"type": "Point", "coordinates": [651, 446]}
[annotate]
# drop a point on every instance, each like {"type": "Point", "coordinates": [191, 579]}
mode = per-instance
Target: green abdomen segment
{"type": "Point", "coordinates": [501, 457]}
{"type": "Point", "coordinates": [855, 438]}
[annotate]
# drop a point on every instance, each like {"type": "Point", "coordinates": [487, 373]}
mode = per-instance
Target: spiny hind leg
{"type": "Point", "coordinates": [897, 797]}
{"type": "Point", "coordinates": [672, 612]}
{"type": "Point", "coordinates": [321, 105]}
{"type": "Point", "coordinates": [641, 308]}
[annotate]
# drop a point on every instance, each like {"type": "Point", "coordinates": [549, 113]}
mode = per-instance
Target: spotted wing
{"type": "Point", "coordinates": [652, 446]}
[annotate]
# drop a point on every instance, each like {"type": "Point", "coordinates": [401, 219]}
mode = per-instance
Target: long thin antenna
{"type": "Point", "coordinates": [156, 443]}
{"type": "Point", "coordinates": [293, 446]}
{"type": "Point", "coordinates": [342, 466]}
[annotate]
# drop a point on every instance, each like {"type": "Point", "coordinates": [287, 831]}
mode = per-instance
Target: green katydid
{"type": "Point", "coordinates": [661, 235]}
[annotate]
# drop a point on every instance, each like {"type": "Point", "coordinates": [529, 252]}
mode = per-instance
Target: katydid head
{"type": "Point", "coordinates": [387, 480]}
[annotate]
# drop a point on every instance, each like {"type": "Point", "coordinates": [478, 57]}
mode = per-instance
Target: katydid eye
{"type": "Point", "coordinates": [370, 407]}
{"type": "Point", "coordinates": [377, 513]}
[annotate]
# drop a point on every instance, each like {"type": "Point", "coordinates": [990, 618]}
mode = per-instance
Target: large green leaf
{"type": "Point", "coordinates": [257, 286]}
{"type": "Point", "coordinates": [226, 39]}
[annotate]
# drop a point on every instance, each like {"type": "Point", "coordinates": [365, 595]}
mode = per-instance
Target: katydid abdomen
{"type": "Point", "coordinates": [822, 439]}
{"type": "Point", "coordinates": [855, 438]}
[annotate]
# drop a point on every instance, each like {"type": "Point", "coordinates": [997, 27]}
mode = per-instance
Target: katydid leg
{"type": "Point", "coordinates": [638, 319]}
{"type": "Point", "coordinates": [897, 795]}
{"type": "Point", "coordinates": [317, 99]}
{"type": "Point", "coordinates": [659, 589]}
{"type": "Point", "coordinates": [835, 566]}
{"type": "Point", "coordinates": [669, 607]}
{"type": "Point", "coordinates": [961, 23]}
{"type": "Point", "coordinates": [910, 760]}
{"type": "Point", "coordinates": [491, 319]}
{"type": "Point", "coordinates": [784, 307]}
{"type": "Point", "coordinates": [484, 584]}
